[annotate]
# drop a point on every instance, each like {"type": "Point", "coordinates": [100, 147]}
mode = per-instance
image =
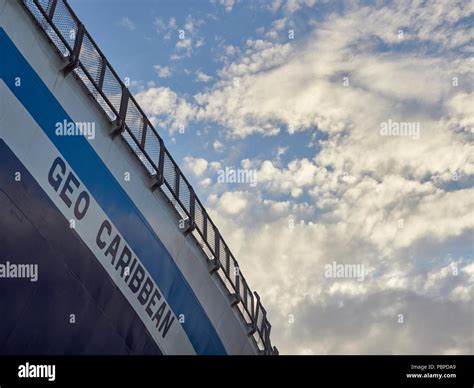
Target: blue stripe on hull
{"type": "Point", "coordinates": [35, 316]}
{"type": "Point", "coordinates": [47, 111]}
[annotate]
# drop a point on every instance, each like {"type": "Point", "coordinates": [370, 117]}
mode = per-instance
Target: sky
{"type": "Point", "coordinates": [350, 127]}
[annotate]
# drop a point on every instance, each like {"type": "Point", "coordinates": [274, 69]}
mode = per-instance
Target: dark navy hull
{"type": "Point", "coordinates": [36, 316]}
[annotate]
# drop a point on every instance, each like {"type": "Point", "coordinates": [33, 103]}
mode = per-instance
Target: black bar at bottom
{"type": "Point", "coordinates": [311, 371]}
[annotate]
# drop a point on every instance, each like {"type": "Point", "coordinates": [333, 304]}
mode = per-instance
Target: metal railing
{"type": "Point", "coordinates": [83, 58]}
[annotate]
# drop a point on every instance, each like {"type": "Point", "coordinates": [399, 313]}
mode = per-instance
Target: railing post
{"type": "Point", "coordinates": [267, 342]}
{"type": "Point", "coordinates": [159, 178]}
{"type": "Point", "coordinates": [246, 286]}
{"type": "Point", "coordinates": [74, 56]}
{"type": "Point", "coordinates": [251, 329]}
{"type": "Point", "coordinates": [103, 66]}
{"type": "Point", "coordinates": [176, 181]}
{"type": "Point", "coordinates": [190, 223]}
{"type": "Point", "coordinates": [51, 8]}
{"type": "Point", "coordinates": [118, 126]}
{"type": "Point", "coordinates": [161, 162]}
{"type": "Point", "coordinates": [216, 263]}
{"type": "Point", "coordinates": [252, 307]}
{"type": "Point", "coordinates": [237, 283]}
{"type": "Point", "coordinates": [144, 130]}
{"type": "Point", "coordinates": [227, 260]}
{"type": "Point", "coordinates": [217, 249]}
{"type": "Point", "coordinates": [235, 280]}
{"type": "Point", "coordinates": [204, 224]}
{"type": "Point", "coordinates": [257, 307]}
{"type": "Point", "coordinates": [192, 204]}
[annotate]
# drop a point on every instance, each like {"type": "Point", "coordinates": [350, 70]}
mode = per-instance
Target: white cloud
{"type": "Point", "coordinates": [260, 55]}
{"type": "Point", "coordinates": [280, 151]}
{"type": "Point", "coordinates": [233, 203]}
{"type": "Point", "coordinates": [301, 87]}
{"type": "Point", "coordinates": [192, 25]}
{"type": "Point", "coordinates": [162, 71]}
{"type": "Point", "coordinates": [384, 202]}
{"type": "Point", "coordinates": [275, 5]}
{"type": "Point", "coordinates": [187, 35]}
{"type": "Point", "coordinates": [200, 43]}
{"type": "Point", "coordinates": [291, 6]}
{"type": "Point", "coordinates": [227, 4]}
{"type": "Point", "coordinates": [279, 24]}
{"type": "Point", "coordinates": [287, 258]}
{"type": "Point", "coordinates": [197, 165]}
{"type": "Point", "coordinates": [462, 108]}
{"type": "Point", "coordinates": [215, 165]}
{"type": "Point", "coordinates": [277, 27]}
{"type": "Point", "coordinates": [389, 203]}
{"type": "Point", "coordinates": [126, 23]}
{"type": "Point", "coordinates": [231, 50]}
{"type": "Point", "coordinates": [218, 146]}
{"type": "Point", "coordinates": [183, 44]}
{"type": "Point", "coordinates": [165, 108]}
{"type": "Point", "coordinates": [206, 182]}
{"type": "Point", "coordinates": [295, 5]}
{"type": "Point", "coordinates": [159, 24]}
{"type": "Point", "coordinates": [166, 27]}
{"type": "Point", "coordinates": [298, 175]}
{"type": "Point", "coordinates": [203, 77]}
{"type": "Point", "coordinates": [176, 57]}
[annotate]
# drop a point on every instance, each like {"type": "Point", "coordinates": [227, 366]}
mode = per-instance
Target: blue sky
{"type": "Point", "coordinates": [138, 44]}
{"type": "Point", "coordinates": [297, 91]}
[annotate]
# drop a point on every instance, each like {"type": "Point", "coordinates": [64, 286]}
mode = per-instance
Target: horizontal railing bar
{"type": "Point", "coordinates": [53, 26]}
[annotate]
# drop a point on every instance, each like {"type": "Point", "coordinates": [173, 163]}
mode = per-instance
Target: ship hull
{"type": "Point", "coordinates": [73, 306]}
{"type": "Point", "coordinates": [116, 272]}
